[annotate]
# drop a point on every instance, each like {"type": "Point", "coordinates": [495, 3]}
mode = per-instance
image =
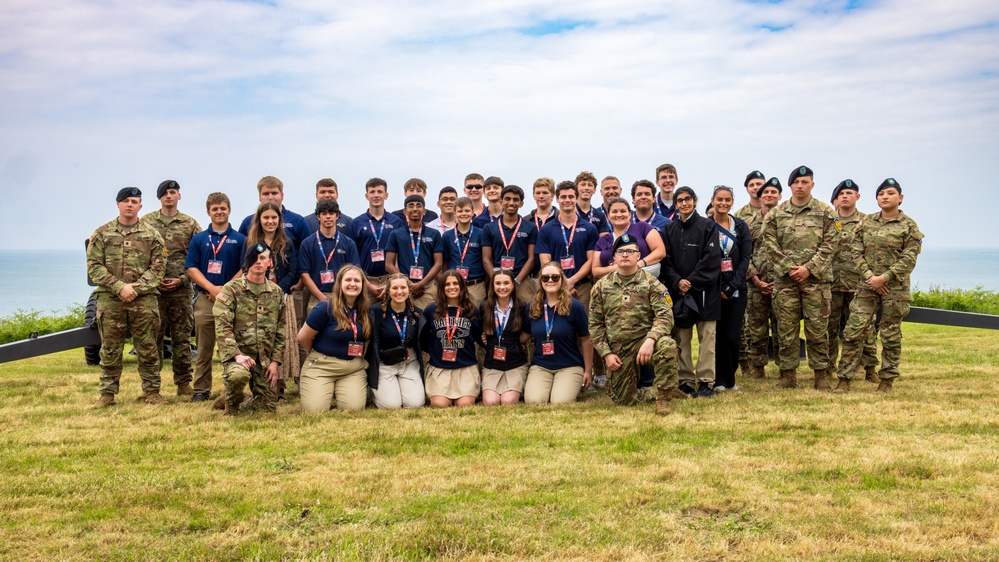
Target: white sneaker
{"type": "Point", "coordinates": [734, 387]}
{"type": "Point", "coordinates": [719, 388]}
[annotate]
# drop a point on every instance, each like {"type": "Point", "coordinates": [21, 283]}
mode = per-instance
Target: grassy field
{"type": "Point", "coordinates": [758, 474]}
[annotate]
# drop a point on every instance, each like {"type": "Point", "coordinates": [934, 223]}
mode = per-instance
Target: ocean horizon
{"type": "Point", "coordinates": [50, 281]}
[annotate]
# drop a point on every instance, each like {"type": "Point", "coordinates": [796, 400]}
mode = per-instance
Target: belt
{"type": "Point", "coordinates": [474, 282]}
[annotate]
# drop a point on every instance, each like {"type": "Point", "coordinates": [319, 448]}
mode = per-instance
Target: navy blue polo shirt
{"type": "Point", "coordinates": [329, 340]}
{"type": "Point", "coordinates": [388, 335]}
{"type": "Point", "coordinates": [565, 331]}
{"type": "Point", "coordinates": [372, 235]}
{"type": "Point", "coordinates": [485, 218]}
{"type": "Point", "coordinates": [316, 249]}
{"type": "Point", "coordinates": [551, 241]}
{"type": "Point", "coordinates": [207, 246]}
{"type": "Point", "coordinates": [295, 226]}
{"type": "Point", "coordinates": [596, 217]}
{"type": "Point", "coordinates": [526, 236]}
{"type": "Point", "coordinates": [510, 339]}
{"type": "Point", "coordinates": [667, 210]}
{"type": "Point", "coordinates": [342, 223]}
{"type": "Point", "coordinates": [657, 221]}
{"type": "Point", "coordinates": [463, 340]}
{"type": "Point", "coordinates": [539, 224]}
{"type": "Point", "coordinates": [455, 243]}
{"type": "Point", "coordinates": [428, 242]}
{"type": "Point", "coordinates": [428, 217]}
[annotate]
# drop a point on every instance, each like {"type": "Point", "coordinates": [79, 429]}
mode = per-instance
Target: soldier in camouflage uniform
{"type": "Point", "coordinates": [885, 248]}
{"type": "Point", "coordinates": [846, 280]}
{"type": "Point", "coordinates": [754, 181]}
{"type": "Point", "coordinates": [760, 319]}
{"type": "Point", "coordinates": [175, 292]}
{"type": "Point", "coordinates": [800, 238]}
{"type": "Point", "coordinates": [250, 330]}
{"type": "Point", "coordinates": [631, 317]}
{"type": "Point", "coordinates": [125, 258]}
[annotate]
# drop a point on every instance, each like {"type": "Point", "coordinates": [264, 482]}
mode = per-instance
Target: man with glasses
{"type": "Point", "coordinates": [445, 202]}
{"type": "Point", "coordinates": [474, 183]}
{"type": "Point", "coordinates": [666, 179]}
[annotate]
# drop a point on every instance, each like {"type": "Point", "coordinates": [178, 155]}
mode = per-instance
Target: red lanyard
{"type": "Point", "coordinates": [467, 242]}
{"type": "Point", "coordinates": [449, 329]}
{"type": "Point", "coordinates": [572, 234]}
{"type": "Point", "coordinates": [333, 251]}
{"type": "Point", "coordinates": [352, 318]}
{"type": "Point", "coordinates": [513, 237]}
{"type": "Point", "coordinates": [541, 223]}
{"type": "Point", "coordinates": [216, 249]}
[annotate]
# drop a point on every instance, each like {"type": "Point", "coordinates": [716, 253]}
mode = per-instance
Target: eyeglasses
{"type": "Point", "coordinates": [474, 186]}
{"type": "Point", "coordinates": [683, 200]}
{"type": "Point", "coordinates": [550, 278]}
{"type": "Point", "coordinates": [626, 252]}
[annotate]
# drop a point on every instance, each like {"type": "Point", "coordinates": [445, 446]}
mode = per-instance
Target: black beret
{"type": "Point", "coordinates": [625, 240]}
{"type": "Point", "coordinates": [754, 175]}
{"type": "Point", "coordinates": [415, 199]}
{"type": "Point", "coordinates": [799, 172]}
{"type": "Point", "coordinates": [845, 184]}
{"type": "Point", "coordinates": [772, 182]}
{"type": "Point", "coordinates": [126, 192]}
{"type": "Point", "coordinates": [890, 182]}
{"type": "Point", "coordinates": [164, 186]}
{"type": "Point", "coordinates": [252, 253]}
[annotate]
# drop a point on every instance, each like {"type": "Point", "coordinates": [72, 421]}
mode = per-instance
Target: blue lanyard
{"type": "Point", "coordinates": [322, 253]}
{"type": "Point", "coordinates": [572, 234]}
{"type": "Point", "coordinates": [415, 245]}
{"type": "Point", "coordinates": [549, 325]}
{"type": "Point", "coordinates": [467, 242]}
{"type": "Point", "coordinates": [401, 329]}
{"type": "Point", "coordinates": [377, 235]}
{"type": "Point", "coordinates": [505, 315]}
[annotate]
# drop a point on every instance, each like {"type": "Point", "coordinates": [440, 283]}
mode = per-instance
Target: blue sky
{"type": "Point", "coordinates": [100, 95]}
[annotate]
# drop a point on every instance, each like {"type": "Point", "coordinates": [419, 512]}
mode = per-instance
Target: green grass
{"type": "Point", "coordinates": [758, 474]}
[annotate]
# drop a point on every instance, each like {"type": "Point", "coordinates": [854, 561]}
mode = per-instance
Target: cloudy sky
{"type": "Point", "coordinates": [97, 95]}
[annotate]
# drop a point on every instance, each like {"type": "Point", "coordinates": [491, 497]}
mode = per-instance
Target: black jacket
{"type": "Point", "coordinates": [286, 268]}
{"type": "Point", "coordinates": [375, 351]}
{"type": "Point", "coordinates": [692, 253]}
{"type": "Point", "coordinates": [742, 250]}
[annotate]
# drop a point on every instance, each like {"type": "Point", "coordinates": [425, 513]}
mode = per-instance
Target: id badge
{"type": "Point", "coordinates": [548, 348]}
{"type": "Point", "coordinates": [567, 263]}
{"type": "Point", "coordinates": [499, 353]}
{"type": "Point", "coordinates": [726, 264]}
{"type": "Point", "coordinates": [215, 267]}
{"type": "Point", "coordinates": [326, 276]}
{"type": "Point", "coordinates": [355, 349]}
{"type": "Point", "coordinates": [416, 273]}
{"type": "Point", "coordinates": [463, 271]}
{"type": "Point", "coordinates": [377, 255]}
{"type": "Point", "coordinates": [506, 262]}
{"type": "Point", "coordinates": [449, 355]}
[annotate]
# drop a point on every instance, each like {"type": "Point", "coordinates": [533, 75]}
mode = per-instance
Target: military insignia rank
{"type": "Point", "coordinates": [839, 226]}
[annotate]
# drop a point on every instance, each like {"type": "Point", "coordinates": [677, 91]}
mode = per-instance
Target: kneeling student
{"type": "Point", "coordinates": [395, 372]}
{"type": "Point", "coordinates": [505, 369]}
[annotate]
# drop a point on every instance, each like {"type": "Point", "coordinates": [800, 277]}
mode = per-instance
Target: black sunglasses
{"type": "Point", "coordinates": [550, 278]}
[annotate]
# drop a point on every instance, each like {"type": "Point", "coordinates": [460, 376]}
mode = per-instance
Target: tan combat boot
{"type": "Point", "coordinates": [154, 398]}
{"type": "Point", "coordinates": [664, 406]}
{"type": "Point", "coordinates": [105, 401]}
{"type": "Point", "coordinates": [872, 374]}
{"type": "Point", "coordinates": [843, 386]}
{"type": "Point", "coordinates": [184, 389]}
{"type": "Point", "coordinates": [745, 367]}
{"type": "Point", "coordinates": [822, 380]}
{"type": "Point", "coordinates": [231, 405]}
{"type": "Point", "coordinates": [884, 387]}
{"type": "Point", "coordinates": [788, 379]}
{"type": "Point", "coordinates": [219, 403]}
{"type": "Point", "coordinates": [675, 394]}
{"type": "Point", "coordinates": [756, 372]}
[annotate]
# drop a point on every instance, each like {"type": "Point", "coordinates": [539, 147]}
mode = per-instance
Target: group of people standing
{"type": "Point", "coordinates": [481, 303]}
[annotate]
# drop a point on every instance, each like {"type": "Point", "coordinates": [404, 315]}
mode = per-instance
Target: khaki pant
{"type": "Point", "coordinates": [429, 295]}
{"type": "Point", "coordinates": [526, 290]}
{"type": "Point", "coordinates": [204, 337]}
{"type": "Point", "coordinates": [583, 294]}
{"type": "Point", "coordinates": [706, 331]}
{"type": "Point", "coordinates": [400, 385]}
{"type": "Point", "coordinates": [325, 378]}
{"type": "Point", "coordinates": [477, 293]}
{"type": "Point", "coordinates": [558, 387]}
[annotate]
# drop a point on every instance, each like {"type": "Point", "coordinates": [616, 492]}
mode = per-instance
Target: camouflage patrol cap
{"type": "Point", "coordinates": [625, 240]}
{"type": "Point", "coordinates": [164, 186]}
{"type": "Point", "coordinates": [252, 253]}
{"type": "Point", "coordinates": [772, 182]}
{"type": "Point", "coordinates": [799, 172]}
{"type": "Point", "coordinates": [754, 175]}
{"type": "Point", "coordinates": [845, 184]}
{"type": "Point", "coordinates": [126, 192]}
{"type": "Point", "coordinates": [890, 182]}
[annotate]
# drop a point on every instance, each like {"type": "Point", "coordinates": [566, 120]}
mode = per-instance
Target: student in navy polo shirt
{"type": "Point", "coordinates": [463, 251]}
{"type": "Point", "coordinates": [504, 370]}
{"type": "Point", "coordinates": [666, 178]}
{"type": "Point", "coordinates": [416, 251]}
{"type": "Point", "coordinates": [543, 192]}
{"type": "Point", "coordinates": [326, 189]}
{"type": "Point", "coordinates": [473, 190]}
{"type": "Point", "coordinates": [643, 196]}
{"type": "Point", "coordinates": [569, 241]}
{"type": "Point", "coordinates": [269, 188]}
{"type": "Point", "coordinates": [492, 189]}
{"type": "Point", "coordinates": [214, 258]}
{"type": "Point", "coordinates": [322, 254]}
{"type": "Point", "coordinates": [415, 186]}
{"type": "Point", "coordinates": [370, 232]}
{"type": "Point", "coordinates": [509, 243]}
{"type": "Point", "coordinates": [586, 184]}
{"type": "Point", "coordinates": [450, 329]}
{"type": "Point", "coordinates": [560, 366]}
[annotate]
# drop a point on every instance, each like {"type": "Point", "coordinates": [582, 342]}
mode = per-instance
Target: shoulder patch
{"type": "Point", "coordinates": [165, 251]}
{"type": "Point", "coordinates": [839, 225]}
{"type": "Point", "coordinates": [223, 297]}
{"type": "Point", "coordinates": [669, 300]}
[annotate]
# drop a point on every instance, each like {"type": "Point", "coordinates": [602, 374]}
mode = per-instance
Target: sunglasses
{"type": "Point", "coordinates": [474, 186]}
{"type": "Point", "coordinates": [551, 277]}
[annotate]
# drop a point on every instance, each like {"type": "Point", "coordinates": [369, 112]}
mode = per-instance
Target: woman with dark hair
{"type": "Point", "coordinates": [736, 244]}
{"type": "Point", "coordinates": [563, 355]}
{"type": "Point", "coordinates": [395, 372]}
{"type": "Point", "coordinates": [335, 333]}
{"type": "Point", "coordinates": [504, 371]}
{"type": "Point", "coordinates": [650, 242]}
{"type": "Point", "coordinates": [449, 332]}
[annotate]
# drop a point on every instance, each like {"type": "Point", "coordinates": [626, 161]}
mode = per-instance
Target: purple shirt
{"type": "Point", "coordinates": [605, 245]}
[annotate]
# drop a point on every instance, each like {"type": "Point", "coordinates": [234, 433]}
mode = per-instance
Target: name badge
{"type": "Point", "coordinates": [215, 267]}
{"type": "Point", "coordinates": [449, 355]}
{"type": "Point", "coordinates": [355, 349]}
{"type": "Point", "coordinates": [726, 264]}
{"type": "Point", "coordinates": [378, 255]}
{"type": "Point", "coordinates": [463, 271]}
{"type": "Point", "coordinates": [567, 263]}
{"type": "Point", "coordinates": [326, 276]}
{"type": "Point", "coordinates": [416, 273]}
{"type": "Point", "coordinates": [548, 348]}
{"type": "Point", "coordinates": [499, 353]}
{"type": "Point", "coordinates": [506, 262]}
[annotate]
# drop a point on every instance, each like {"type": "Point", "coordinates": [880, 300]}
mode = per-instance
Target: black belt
{"type": "Point", "coordinates": [474, 282]}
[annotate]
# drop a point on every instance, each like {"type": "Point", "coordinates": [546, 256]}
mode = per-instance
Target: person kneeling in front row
{"type": "Point", "coordinates": [449, 332]}
{"type": "Point", "coordinates": [395, 372]}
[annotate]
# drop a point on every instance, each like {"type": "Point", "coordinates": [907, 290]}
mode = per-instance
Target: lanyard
{"type": "Point", "coordinates": [505, 315]}
{"type": "Point", "coordinates": [377, 235]}
{"type": "Point", "coordinates": [352, 317]}
{"type": "Point", "coordinates": [216, 249]}
{"type": "Point", "coordinates": [467, 243]}
{"type": "Point", "coordinates": [539, 222]}
{"type": "Point", "coordinates": [401, 329]}
{"type": "Point", "coordinates": [319, 242]}
{"type": "Point", "coordinates": [445, 228]}
{"type": "Point", "coordinates": [415, 245]}
{"type": "Point", "coordinates": [513, 237]}
{"type": "Point", "coordinates": [572, 234]}
{"type": "Point", "coordinates": [449, 329]}
{"type": "Point", "coordinates": [551, 324]}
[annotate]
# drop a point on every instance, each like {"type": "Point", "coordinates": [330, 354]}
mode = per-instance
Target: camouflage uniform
{"type": "Point", "coordinates": [176, 307]}
{"type": "Point", "coordinates": [118, 255]}
{"type": "Point", "coordinates": [623, 313]}
{"type": "Point", "coordinates": [886, 247]}
{"type": "Point", "coordinates": [746, 212]}
{"type": "Point", "coordinates": [249, 320]}
{"type": "Point", "coordinates": [759, 309]}
{"type": "Point", "coordinates": [806, 236]}
{"type": "Point", "coordinates": [846, 283]}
